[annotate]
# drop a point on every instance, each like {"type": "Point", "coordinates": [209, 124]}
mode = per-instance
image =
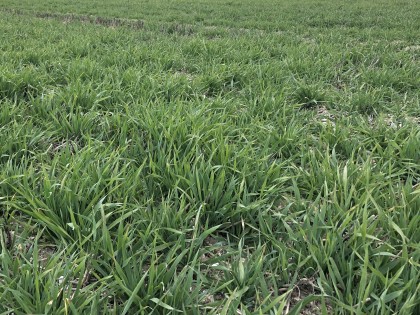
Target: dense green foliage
{"type": "Point", "coordinates": [221, 157]}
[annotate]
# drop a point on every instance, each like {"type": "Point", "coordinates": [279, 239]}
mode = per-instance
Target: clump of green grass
{"type": "Point", "coordinates": [224, 161]}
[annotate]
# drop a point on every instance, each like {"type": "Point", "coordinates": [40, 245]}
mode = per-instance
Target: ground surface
{"type": "Point", "coordinates": [220, 157]}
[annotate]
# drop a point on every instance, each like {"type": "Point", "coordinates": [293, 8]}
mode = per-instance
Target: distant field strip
{"type": "Point", "coordinates": [67, 18]}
